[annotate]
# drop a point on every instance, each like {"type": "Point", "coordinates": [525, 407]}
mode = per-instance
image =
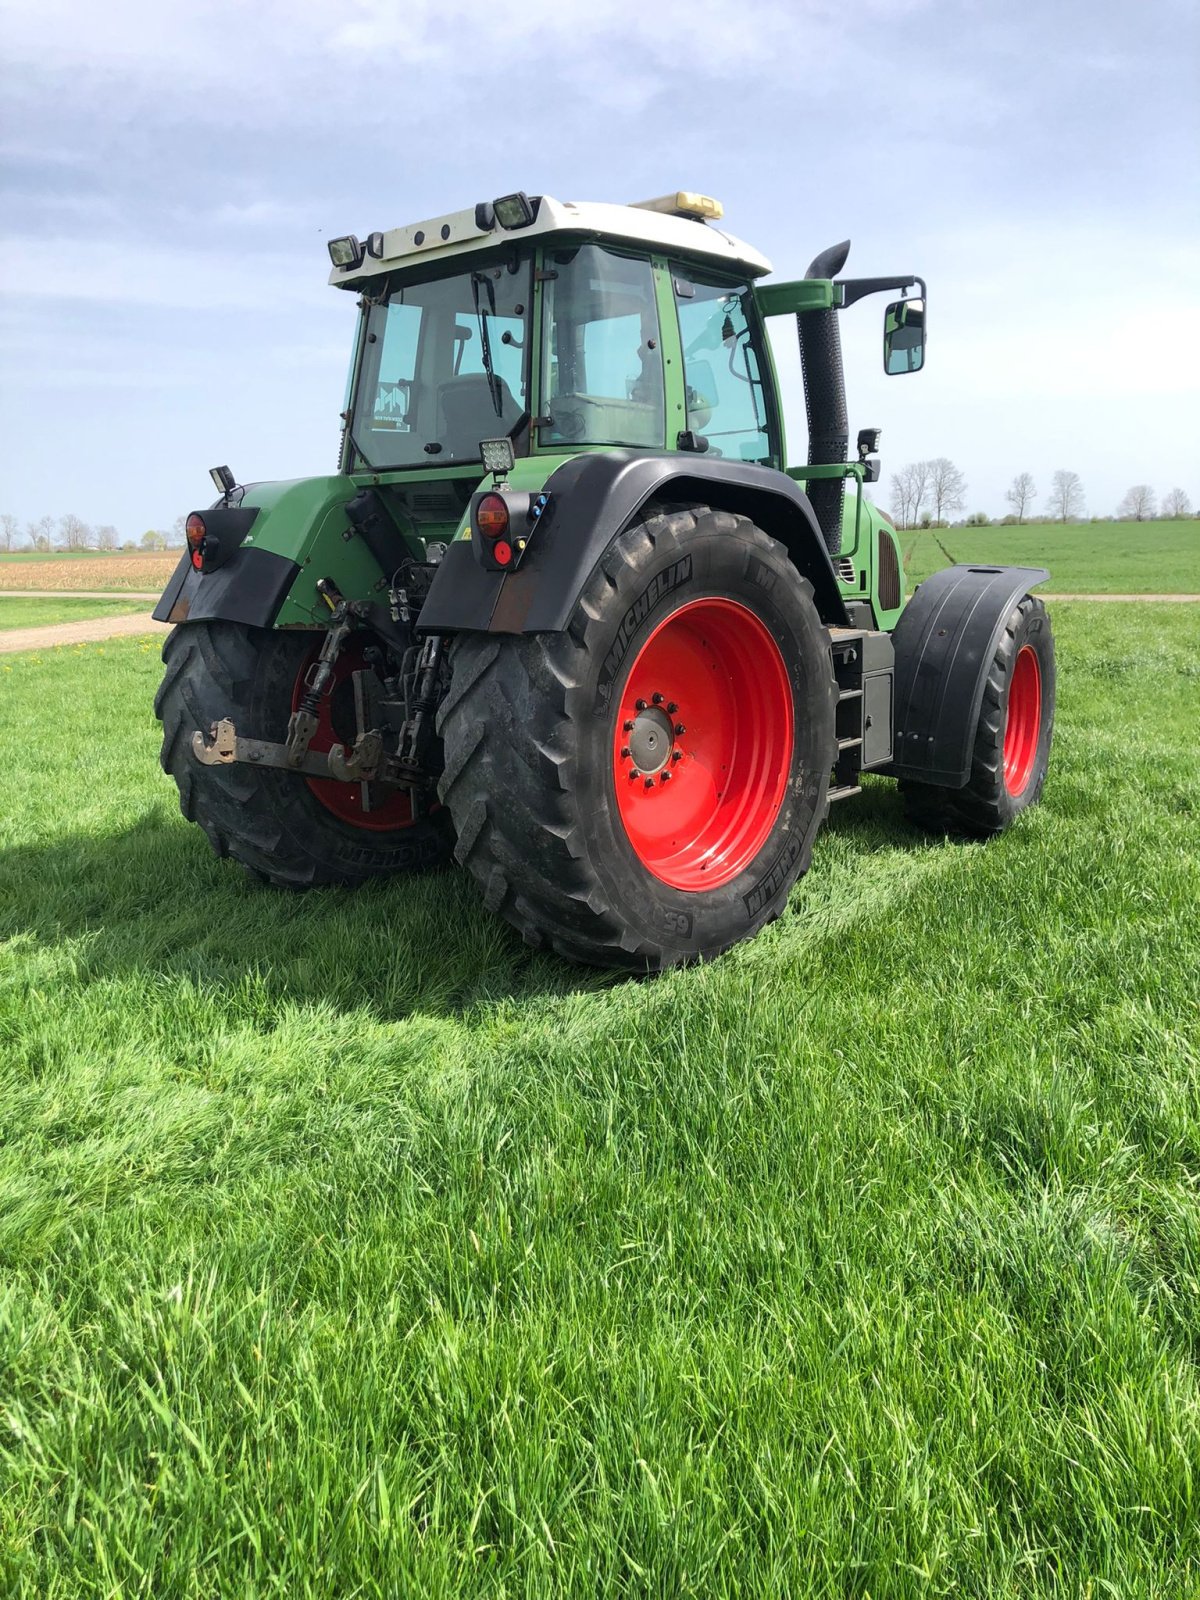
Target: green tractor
{"type": "Point", "coordinates": [565, 612]}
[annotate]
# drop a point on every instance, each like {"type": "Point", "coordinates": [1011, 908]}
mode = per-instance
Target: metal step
{"type": "Point", "coordinates": [843, 792]}
{"type": "Point", "coordinates": [849, 694]}
{"type": "Point", "coordinates": [849, 744]}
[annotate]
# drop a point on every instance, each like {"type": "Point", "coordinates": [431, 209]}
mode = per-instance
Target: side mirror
{"type": "Point", "coordinates": [904, 336]}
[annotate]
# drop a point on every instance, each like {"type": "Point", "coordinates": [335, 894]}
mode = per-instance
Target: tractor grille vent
{"type": "Point", "coordinates": [887, 569]}
{"type": "Point", "coordinates": [844, 568]}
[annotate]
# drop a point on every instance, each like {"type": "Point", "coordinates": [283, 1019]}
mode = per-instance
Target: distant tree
{"type": "Point", "coordinates": [39, 533]}
{"type": "Point", "coordinates": [1021, 494]}
{"type": "Point", "coordinates": [1066, 495]}
{"type": "Point", "coordinates": [910, 490]}
{"type": "Point", "coordinates": [1175, 503]}
{"type": "Point", "coordinates": [178, 532]}
{"type": "Point", "coordinates": [130, 544]}
{"type": "Point", "coordinates": [154, 539]}
{"type": "Point", "coordinates": [1138, 503]}
{"type": "Point", "coordinates": [978, 519]}
{"type": "Point", "coordinates": [947, 487]}
{"type": "Point", "coordinates": [73, 532]}
{"type": "Point", "coordinates": [8, 529]}
{"type": "Point", "coordinates": [107, 536]}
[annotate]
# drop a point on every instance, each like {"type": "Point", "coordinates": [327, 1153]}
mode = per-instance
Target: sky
{"type": "Point", "coordinates": [170, 175]}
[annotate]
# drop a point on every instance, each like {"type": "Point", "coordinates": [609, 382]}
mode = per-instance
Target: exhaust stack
{"type": "Point", "coordinates": [825, 398]}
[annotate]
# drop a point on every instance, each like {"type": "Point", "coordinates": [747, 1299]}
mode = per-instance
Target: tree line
{"type": "Point", "coordinates": [928, 492]}
{"type": "Point", "coordinates": [72, 533]}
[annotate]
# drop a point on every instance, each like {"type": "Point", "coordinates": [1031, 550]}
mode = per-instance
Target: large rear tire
{"type": "Point", "coordinates": [644, 788]}
{"type": "Point", "coordinates": [1011, 752]}
{"type": "Point", "coordinates": [294, 832]}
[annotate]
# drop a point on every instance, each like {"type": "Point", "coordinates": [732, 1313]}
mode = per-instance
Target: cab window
{"type": "Point", "coordinates": [602, 377]}
{"type": "Point", "coordinates": [726, 398]}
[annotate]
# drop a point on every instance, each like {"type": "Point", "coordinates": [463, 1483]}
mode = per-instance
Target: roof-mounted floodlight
{"type": "Point", "coordinates": [683, 203]}
{"type": "Point", "coordinates": [374, 244]}
{"type": "Point", "coordinates": [514, 210]}
{"type": "Point", "coordinates": [223, 480]}
{"type": "Point", "coordinates": [346, 252]}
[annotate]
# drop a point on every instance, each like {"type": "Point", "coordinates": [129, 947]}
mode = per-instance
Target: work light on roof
{"type": "Point", "coordinates": [513, 210]}
{"type": "Point", "coordinates": [346, 252]}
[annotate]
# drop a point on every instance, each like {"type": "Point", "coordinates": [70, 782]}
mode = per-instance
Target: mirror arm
{"type": "Point", "coordinates": [853, 289]}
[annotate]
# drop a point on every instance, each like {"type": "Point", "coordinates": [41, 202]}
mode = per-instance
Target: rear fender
{"type": "Point", "coordinates": [945, 641]}
{"type": "Point", "coordinates": [269, 578]}
{"type": "Point", "coordinates": [592, 498]}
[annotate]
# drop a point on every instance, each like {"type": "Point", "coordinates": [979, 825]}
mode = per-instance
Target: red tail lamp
{"type": "Point", "coordinates": [195, 531]}
{"type": "Point", "coordinates": [492, 517]}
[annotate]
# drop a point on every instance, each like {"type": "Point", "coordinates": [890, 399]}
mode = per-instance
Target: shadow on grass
{"type": "Point", "coordinates": [155, 902]}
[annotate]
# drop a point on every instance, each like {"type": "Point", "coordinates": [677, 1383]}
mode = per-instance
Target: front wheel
{"type": "Point", "coordinates": [645, 787]}
{"type": "Point", "coordinates": [1011, 752]}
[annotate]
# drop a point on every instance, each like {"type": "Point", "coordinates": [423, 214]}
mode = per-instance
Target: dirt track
{"type": "Point", "coordinates": [91, 631]}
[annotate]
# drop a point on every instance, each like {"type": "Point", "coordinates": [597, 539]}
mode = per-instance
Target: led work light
{"type": "Point", "coordinates": [223, 480]}
{"type": "Point", "coordinates": [345, 252]}
{"type": "Point", "coordinates": [497, 455]}
{"type": "Point", "coordinates": [513, 210]}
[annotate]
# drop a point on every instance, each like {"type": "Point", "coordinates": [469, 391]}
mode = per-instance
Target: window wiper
{"type": "Point", "coordinates": [485, 343]}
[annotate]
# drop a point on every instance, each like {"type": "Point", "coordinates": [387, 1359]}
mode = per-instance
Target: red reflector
{"type": "Point", "coordinates": [194, 528]}
{"type": "Point", "coordinates": [491, 517]}
{"type": "Point", "coordinates": [502, 551]}
{"type": "Point", "coordinates": [197, 560]}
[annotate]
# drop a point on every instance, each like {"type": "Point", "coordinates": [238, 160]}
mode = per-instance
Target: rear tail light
{"type": "Point", "coordinates": [492, 517]}
{"type": "Point", "coordinates": [195, 530]}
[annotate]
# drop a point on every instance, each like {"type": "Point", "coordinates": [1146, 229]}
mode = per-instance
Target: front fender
{"type": "Point", "coordinates": [592, 498]}
{"type": "Point", "coordinates": [945, 642]}
{"type": "Point", "coordinates": [269, 580]}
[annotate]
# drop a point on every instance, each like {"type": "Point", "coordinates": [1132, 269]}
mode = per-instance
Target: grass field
{"type": "Point", "coordinates": [1085, 558]}
{"type": "Point", "coordinates": [21, 613]}
{"type": "Point", "coordinates": [348, 1249]}
{"type": "Point", "coordinates": [83, 570]}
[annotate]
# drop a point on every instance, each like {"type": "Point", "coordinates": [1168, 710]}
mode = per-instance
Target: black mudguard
{"type": "Point", "coordinates": [249, 588]}
{"type": "Point", "coordinates": [592, 497]}
{"type": "Point", "coordinates": [945, 641]}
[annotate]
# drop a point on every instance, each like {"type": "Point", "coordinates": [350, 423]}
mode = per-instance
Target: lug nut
{"type": "Point", "coordinates": [634, 773]}
{"type": "Point", "coordinates": [649, 783]}
{"type": "Point", "coordinates": [666, 777]}
{"type": "Point", "coordinates": [627, 727]}
{"type": "Point", "coordinates": [676, 755]}
{"type": "Point", "coordinates": [657, 698]}
{"type": "Point", "coordinates": [640, 704]}
{"type": "Point", "coordinates": [679, 728]}
{"type": "Point", "coordinates": [672, 708]}
{"type": "Point", "coordinates": [624, 752]}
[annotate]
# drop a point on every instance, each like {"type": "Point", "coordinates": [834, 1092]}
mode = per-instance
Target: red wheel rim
{"type": "Point", "coordinates": [388, 808]}
{"type": "Point", "coordinates": [702, 744]}
{"type": "Point", "coordinates": [1023, 721]}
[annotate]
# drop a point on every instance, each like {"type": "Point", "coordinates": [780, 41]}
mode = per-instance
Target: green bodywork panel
{"type": "Point", "coordinates": [805, 294]}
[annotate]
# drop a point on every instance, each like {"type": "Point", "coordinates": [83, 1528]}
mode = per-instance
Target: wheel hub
{"type": "Point", "coordinates": [650, 740]}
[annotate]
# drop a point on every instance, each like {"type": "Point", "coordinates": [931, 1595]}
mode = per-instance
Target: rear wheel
{"type": "Point", "coordinates": [1011, 752]}
{"type": "Point", "coordinates": [645, 787]}
{"type": "Point", "coordinates": [295, 831]}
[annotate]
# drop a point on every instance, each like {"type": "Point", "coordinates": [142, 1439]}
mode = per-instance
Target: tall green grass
{"type": "Point", "coordinates": [1083, 558]}
{"type": "Point", "coordinates": [348, 1249]}
{"type": "Point", "coordinates": [18, 612]}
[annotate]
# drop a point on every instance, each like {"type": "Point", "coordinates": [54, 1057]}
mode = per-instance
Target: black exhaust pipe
{"type": "Point", "coordinates": [825, 398]}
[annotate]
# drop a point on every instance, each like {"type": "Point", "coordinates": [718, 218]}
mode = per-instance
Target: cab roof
{"type": "Point", "coordinates": [659, 224]}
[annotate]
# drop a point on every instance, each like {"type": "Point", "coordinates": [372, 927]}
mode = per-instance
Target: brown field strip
{"type": "Point", "coordinates": [75, 574]}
